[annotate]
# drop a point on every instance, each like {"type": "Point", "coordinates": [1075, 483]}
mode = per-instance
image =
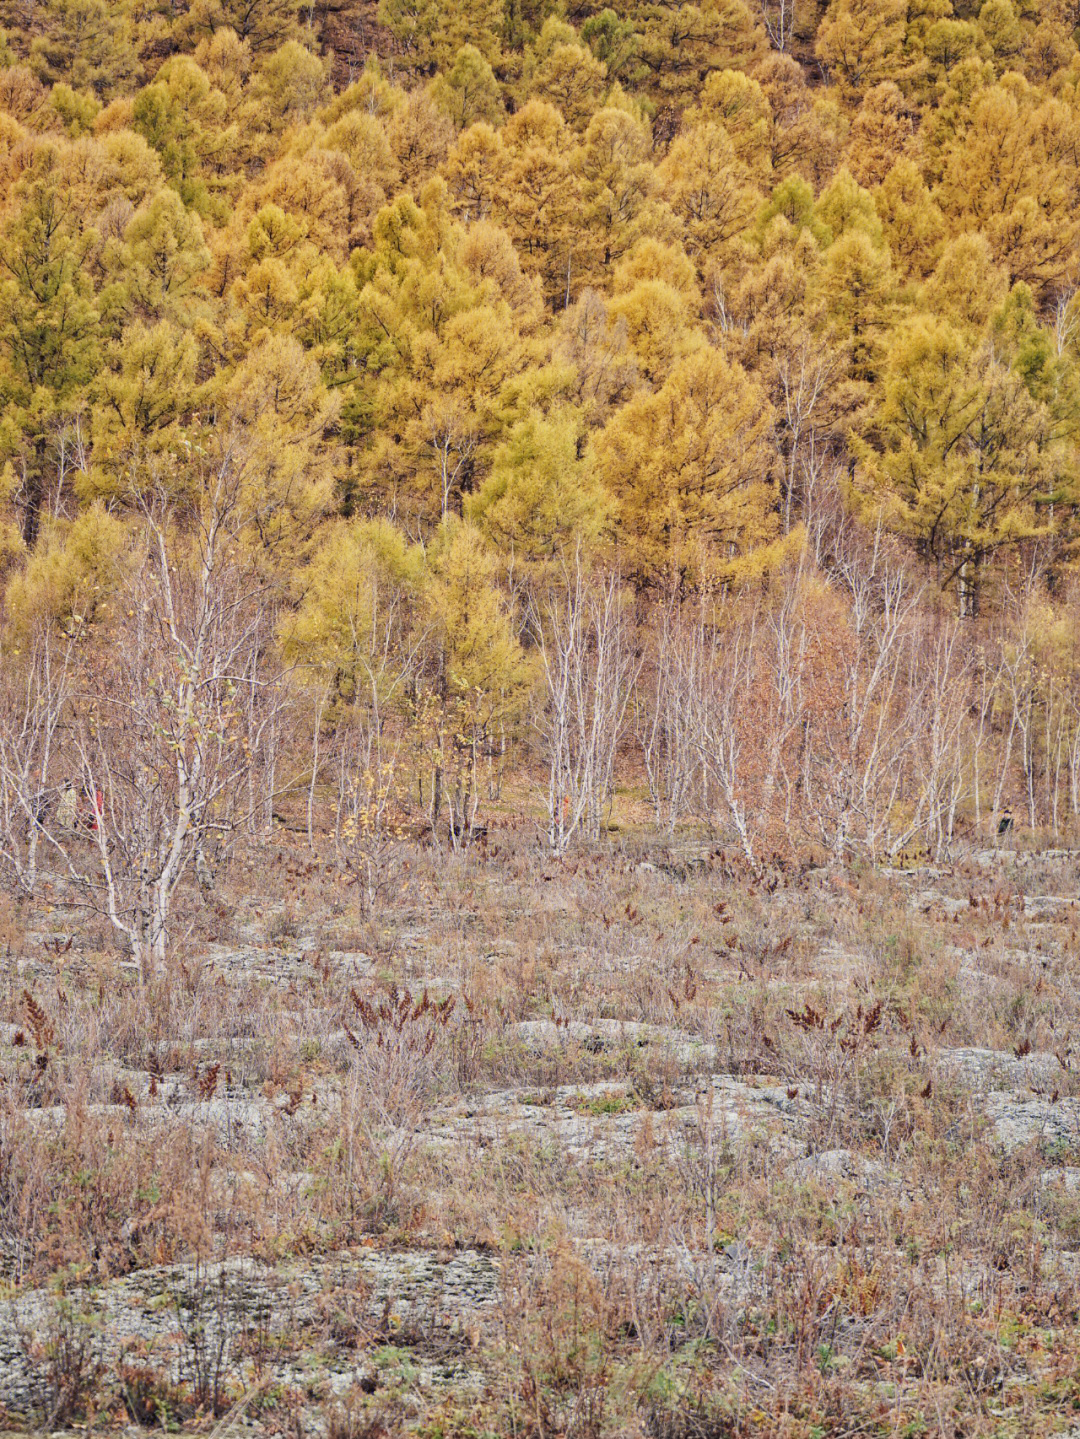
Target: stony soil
{"type": "Point", "coordinates": [620, 1091]}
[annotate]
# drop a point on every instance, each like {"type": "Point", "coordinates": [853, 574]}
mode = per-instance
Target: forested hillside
{"type": "Point", "coordinates": [675, 398]}
{"type": "Point", "coordinates": [540, 719]}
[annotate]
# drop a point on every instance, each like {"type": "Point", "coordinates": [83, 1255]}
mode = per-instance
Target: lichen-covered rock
{"type": "Point", "coordinates": [1052, 1124]}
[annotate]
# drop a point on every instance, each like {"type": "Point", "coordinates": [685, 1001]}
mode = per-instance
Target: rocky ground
{"type": "Point", "coordinates": [634, 1144]}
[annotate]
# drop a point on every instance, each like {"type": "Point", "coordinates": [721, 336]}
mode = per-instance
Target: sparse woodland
{"type": "Point", "coordinates": [605, 478]}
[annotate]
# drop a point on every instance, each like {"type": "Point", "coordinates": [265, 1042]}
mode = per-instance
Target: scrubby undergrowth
{"type": "Point", "coordinates": [629, 1143]}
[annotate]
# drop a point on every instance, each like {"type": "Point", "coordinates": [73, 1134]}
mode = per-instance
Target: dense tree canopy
{"type": "Point", "coordinates": [512, 282]}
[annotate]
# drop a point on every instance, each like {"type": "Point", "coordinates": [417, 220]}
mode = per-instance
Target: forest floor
{"type": "Point", "coordinates": [632, 1143]}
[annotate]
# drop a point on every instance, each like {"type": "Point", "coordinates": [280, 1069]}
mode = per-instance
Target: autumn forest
{"type": "Point", "coordinates": [540, 719]}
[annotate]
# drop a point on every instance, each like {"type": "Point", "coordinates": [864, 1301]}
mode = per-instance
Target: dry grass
{"type": "Point", "coordinates": [617, 1074]}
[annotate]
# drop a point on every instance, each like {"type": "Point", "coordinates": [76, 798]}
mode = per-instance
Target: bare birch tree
{"type": "Point", "coordinates": [943, 668]}
{"type": "Point", "coordinates": [154, 727]}
{"type": "Point", "coordinates": [858, 751]}
{"type": "Point", "coordinates": [778, 17]}
{"type": "Point", "coordinates": [665, 720]}
{"type": "Point", "coordinates": [35, 690]}
{"type": "Point", "coordinates": [727, 737]}
{"type": "Point", "coordinates": [589, 669]}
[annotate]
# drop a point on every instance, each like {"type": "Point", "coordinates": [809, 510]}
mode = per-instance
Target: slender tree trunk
{"type": "Point", "coordinates": [35, 494]}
